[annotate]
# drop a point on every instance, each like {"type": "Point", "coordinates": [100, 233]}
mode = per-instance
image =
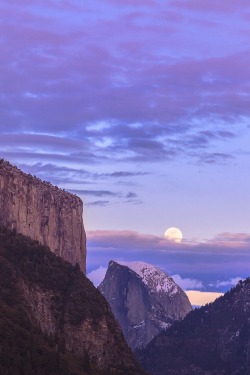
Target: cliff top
{"type": "Point", "coordinates": [7, 168]}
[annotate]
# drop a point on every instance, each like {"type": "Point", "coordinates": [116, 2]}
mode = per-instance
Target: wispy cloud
{"type": "Point", "coordinates": [99, 203]}
{"type": "Point", "coordinates": [231, 282]}
{"type": "Point", "coordinates": [96, 193]}
{"type": "Point", "coordinates": [187, 283]}
{"type": "Point", "coordinates": [216, 158]}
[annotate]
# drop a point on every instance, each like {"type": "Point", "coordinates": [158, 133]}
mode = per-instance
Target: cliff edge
{"type": "Point", "coordinates": [42, 212]}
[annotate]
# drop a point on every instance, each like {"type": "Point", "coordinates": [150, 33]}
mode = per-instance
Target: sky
{"type": "Point", "coordinates": [142, 109]}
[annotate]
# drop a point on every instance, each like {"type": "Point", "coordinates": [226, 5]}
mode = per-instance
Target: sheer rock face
{"type": "Point", "coordinates": [143, 299]}
{"type": "Point", "coordinates": [43, 212]}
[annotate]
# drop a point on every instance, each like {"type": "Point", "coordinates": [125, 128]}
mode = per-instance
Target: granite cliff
{"type": "Point", "coordinates": [211, 340]}
{"type": "Point", "coordinates": [143, 299]}
{"type": "Point", "coordinates": [43, 212]}
{"type": "Point", "coordinates": [52, 319]}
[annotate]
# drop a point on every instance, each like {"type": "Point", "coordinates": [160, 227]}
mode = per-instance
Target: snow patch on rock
{"type": "Point", "coordinates": [152, 277]}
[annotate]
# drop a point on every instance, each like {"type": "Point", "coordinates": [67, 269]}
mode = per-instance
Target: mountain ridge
{"type": "Point", "coordinates": [143, 299]}
{"type": "Point", "coordinates": [53, 321]}
{"type": "Point", "coordinates": [211, 340]}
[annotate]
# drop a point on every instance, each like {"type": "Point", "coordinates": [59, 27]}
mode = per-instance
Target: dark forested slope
{"type": "Point", "coordinates": [52, 319]}
{"type": "Point", "coordinates": [212, 340]}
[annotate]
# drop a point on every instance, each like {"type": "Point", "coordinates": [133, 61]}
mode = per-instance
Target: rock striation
{"type": "Point", "coordinates": [43, 212]}
{"type": "Point", "coordinates": [211, 340]}
{"type": "Point", "coordinates": [52, 319]}
{"type": "Point", "coordinates": [143, 299]}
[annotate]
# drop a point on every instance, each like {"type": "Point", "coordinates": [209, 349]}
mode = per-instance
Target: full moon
{"type": "Point", "coordinates": [173, 234]}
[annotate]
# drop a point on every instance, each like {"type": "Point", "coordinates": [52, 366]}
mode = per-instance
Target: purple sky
{"type": "Point", "coordinates": [142, 108]}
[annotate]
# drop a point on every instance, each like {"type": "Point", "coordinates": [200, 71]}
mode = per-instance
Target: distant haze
{"type": "Point", "coordinates": [202, 298]}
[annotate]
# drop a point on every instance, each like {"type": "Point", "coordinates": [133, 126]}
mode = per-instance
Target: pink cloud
{"type": "Point", "coordinates": [133, 240]}
{"type": "Point", "coordinates": [231, 240]}
{"type": "Point", "coordinates": [194, 265]}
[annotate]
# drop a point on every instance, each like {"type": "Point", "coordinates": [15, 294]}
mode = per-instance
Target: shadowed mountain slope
{"type": "Point", "coordinates": [52, 319]}
{"type": "Point", "coordinates": [212, 340]}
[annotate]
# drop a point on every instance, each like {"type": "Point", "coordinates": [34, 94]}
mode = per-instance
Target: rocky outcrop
{"type": "Point", "coordinates": [143, 299]}
{"type": "Point", "coordinates": [43, 212]}
{"type": "Point", "coordinates": [50, 313]}
{"type": "Point", "coordinates": [211, 340]}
